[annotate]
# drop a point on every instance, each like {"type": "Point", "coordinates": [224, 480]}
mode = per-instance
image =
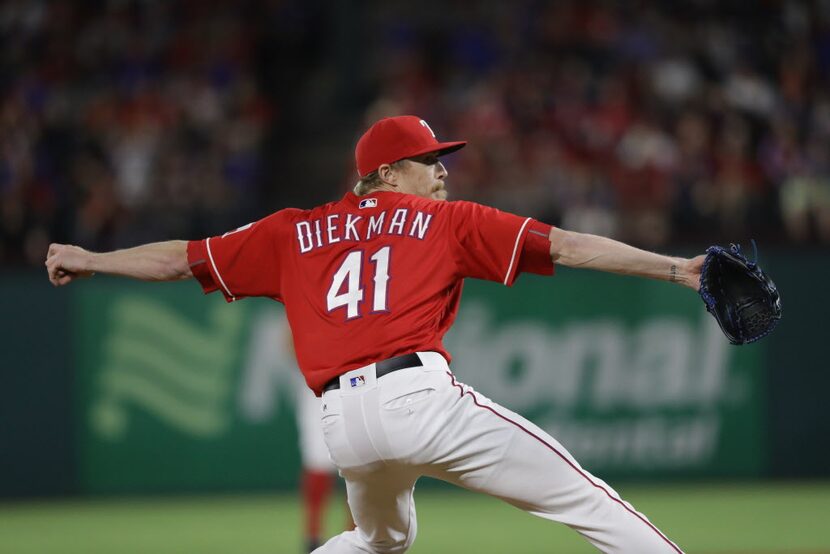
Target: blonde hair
{"type": "Point", "coordinates": [372, 181]}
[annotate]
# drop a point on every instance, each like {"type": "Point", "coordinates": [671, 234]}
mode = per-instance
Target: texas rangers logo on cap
{"type": "Point", "coordinates": [368, 203]}
{"type": "Point", "coordinates": [358, 381]}
{"type": "Point", "coordinates": [396, 138]}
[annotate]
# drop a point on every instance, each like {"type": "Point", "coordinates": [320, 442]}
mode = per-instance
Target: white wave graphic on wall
{"type": "Point", "coordinates": [162, 363]}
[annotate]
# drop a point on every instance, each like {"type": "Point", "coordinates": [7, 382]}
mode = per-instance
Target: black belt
{"type": "Point", "coordinates": [383, 367]}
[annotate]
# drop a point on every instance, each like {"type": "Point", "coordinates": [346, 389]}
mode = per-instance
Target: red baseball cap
{"type": "Point", "coordinates": [395, 138]}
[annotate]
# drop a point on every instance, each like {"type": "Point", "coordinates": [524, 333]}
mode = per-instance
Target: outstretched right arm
{"type": "Point", "coordinates": [583, 250]}
{"type": "Point", "coordinates": [159, 261]}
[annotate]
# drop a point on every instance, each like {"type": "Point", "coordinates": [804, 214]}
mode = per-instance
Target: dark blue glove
{"type": "Point", "coordinates": [744, 301]}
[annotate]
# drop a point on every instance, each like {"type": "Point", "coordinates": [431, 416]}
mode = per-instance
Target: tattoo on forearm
{"type": "Point", "coordinates": [673, 274]}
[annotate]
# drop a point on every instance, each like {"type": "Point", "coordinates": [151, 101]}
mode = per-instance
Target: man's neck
{"type": "Point", "coordinates": [384, 187]}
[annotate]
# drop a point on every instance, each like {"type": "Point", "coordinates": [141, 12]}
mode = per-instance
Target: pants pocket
{"type": "Point", "coordinates": [408, 399]}
{"type": "Point", "coordinates": [331, 413]}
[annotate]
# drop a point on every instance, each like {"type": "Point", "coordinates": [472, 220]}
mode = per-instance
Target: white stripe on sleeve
{"type": "Point", "coordinates": [216, 270]}
{"type": "Point", "coordinates": [515, 248]}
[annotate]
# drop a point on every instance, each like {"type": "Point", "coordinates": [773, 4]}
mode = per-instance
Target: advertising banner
{"type": "Point", "coordinates": [634, 377]}
{"type": "Point", "coordinates": [178, 391]}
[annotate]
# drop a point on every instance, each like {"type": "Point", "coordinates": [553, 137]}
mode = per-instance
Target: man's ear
{"type": "Point", "coordinates": [388, 175]}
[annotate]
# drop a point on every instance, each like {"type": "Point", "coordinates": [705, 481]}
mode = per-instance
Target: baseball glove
{"type": "Point", "coordinates": [744, 301]}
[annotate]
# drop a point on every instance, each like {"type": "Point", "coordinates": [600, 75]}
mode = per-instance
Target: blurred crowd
{"type": "Point", "coordinates": [658, 123]}
{"type": "Point", "coordinates": [124, 122]}
{"type": "Point", "coordinates": [654, 122]}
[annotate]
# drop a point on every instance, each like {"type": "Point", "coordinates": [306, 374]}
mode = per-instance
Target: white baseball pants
{"type": "Point", "coordinates": [313, 451]}
{"type": "Point", "coordinates": [383, 434]}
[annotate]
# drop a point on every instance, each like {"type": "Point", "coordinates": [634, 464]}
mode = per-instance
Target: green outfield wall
{"type": "Point", "coordinates": [114, 386]}
{"type": "Point", "coordinates": [37, 447]}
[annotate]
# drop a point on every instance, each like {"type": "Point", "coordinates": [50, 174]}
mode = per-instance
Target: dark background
{"type": "Point", "coordinates": [669, 125]}
{"type": "Point", "coordinates": [659, 123]}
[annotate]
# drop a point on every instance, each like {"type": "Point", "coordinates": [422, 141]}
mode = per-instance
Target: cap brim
{"type": "Point", "coordinates": [441, 148]}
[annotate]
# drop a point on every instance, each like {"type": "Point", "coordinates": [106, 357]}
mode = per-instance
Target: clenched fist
{"type": "Point", "coordinates": [65, 263]}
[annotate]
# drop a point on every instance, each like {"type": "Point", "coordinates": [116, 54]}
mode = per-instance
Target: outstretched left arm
{"type": "Point", "coordinates": [582, 250]}
{"type": "Point", "coordinates": [159, 261]}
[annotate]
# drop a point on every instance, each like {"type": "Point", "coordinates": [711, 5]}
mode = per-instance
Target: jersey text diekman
{"type": "Point", "coordinates": [334, 228]}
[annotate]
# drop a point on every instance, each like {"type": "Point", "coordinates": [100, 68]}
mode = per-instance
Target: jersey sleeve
{"type": "Point", "coordinates": [241, 263]}
{"type": "Point", "coordinates": [536, 256]}
{"type": "Point", "coordinates": [490, 244]}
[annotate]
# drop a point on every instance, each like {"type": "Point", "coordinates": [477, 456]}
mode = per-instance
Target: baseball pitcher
{"type": "Point", "coordinates": [371, 283]}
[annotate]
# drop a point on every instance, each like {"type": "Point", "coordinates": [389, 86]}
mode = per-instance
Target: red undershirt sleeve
{"type": "Point", "coordinates": [199, 265]}
{"type": "Point", "coordinates": [536, 250]}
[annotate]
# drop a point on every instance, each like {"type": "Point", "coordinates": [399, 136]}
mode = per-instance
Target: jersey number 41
{"type": "Point", "coordinates": [346, 288]}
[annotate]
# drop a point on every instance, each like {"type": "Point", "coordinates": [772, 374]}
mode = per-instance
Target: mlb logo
{"type": "Point", "coordinates": [368, 203]}
{"type": "Point", "coordinates": [358, 381]}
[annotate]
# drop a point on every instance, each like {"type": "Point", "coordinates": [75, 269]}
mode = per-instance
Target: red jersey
{"type": "Point", "coordinates": [371, 277]}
